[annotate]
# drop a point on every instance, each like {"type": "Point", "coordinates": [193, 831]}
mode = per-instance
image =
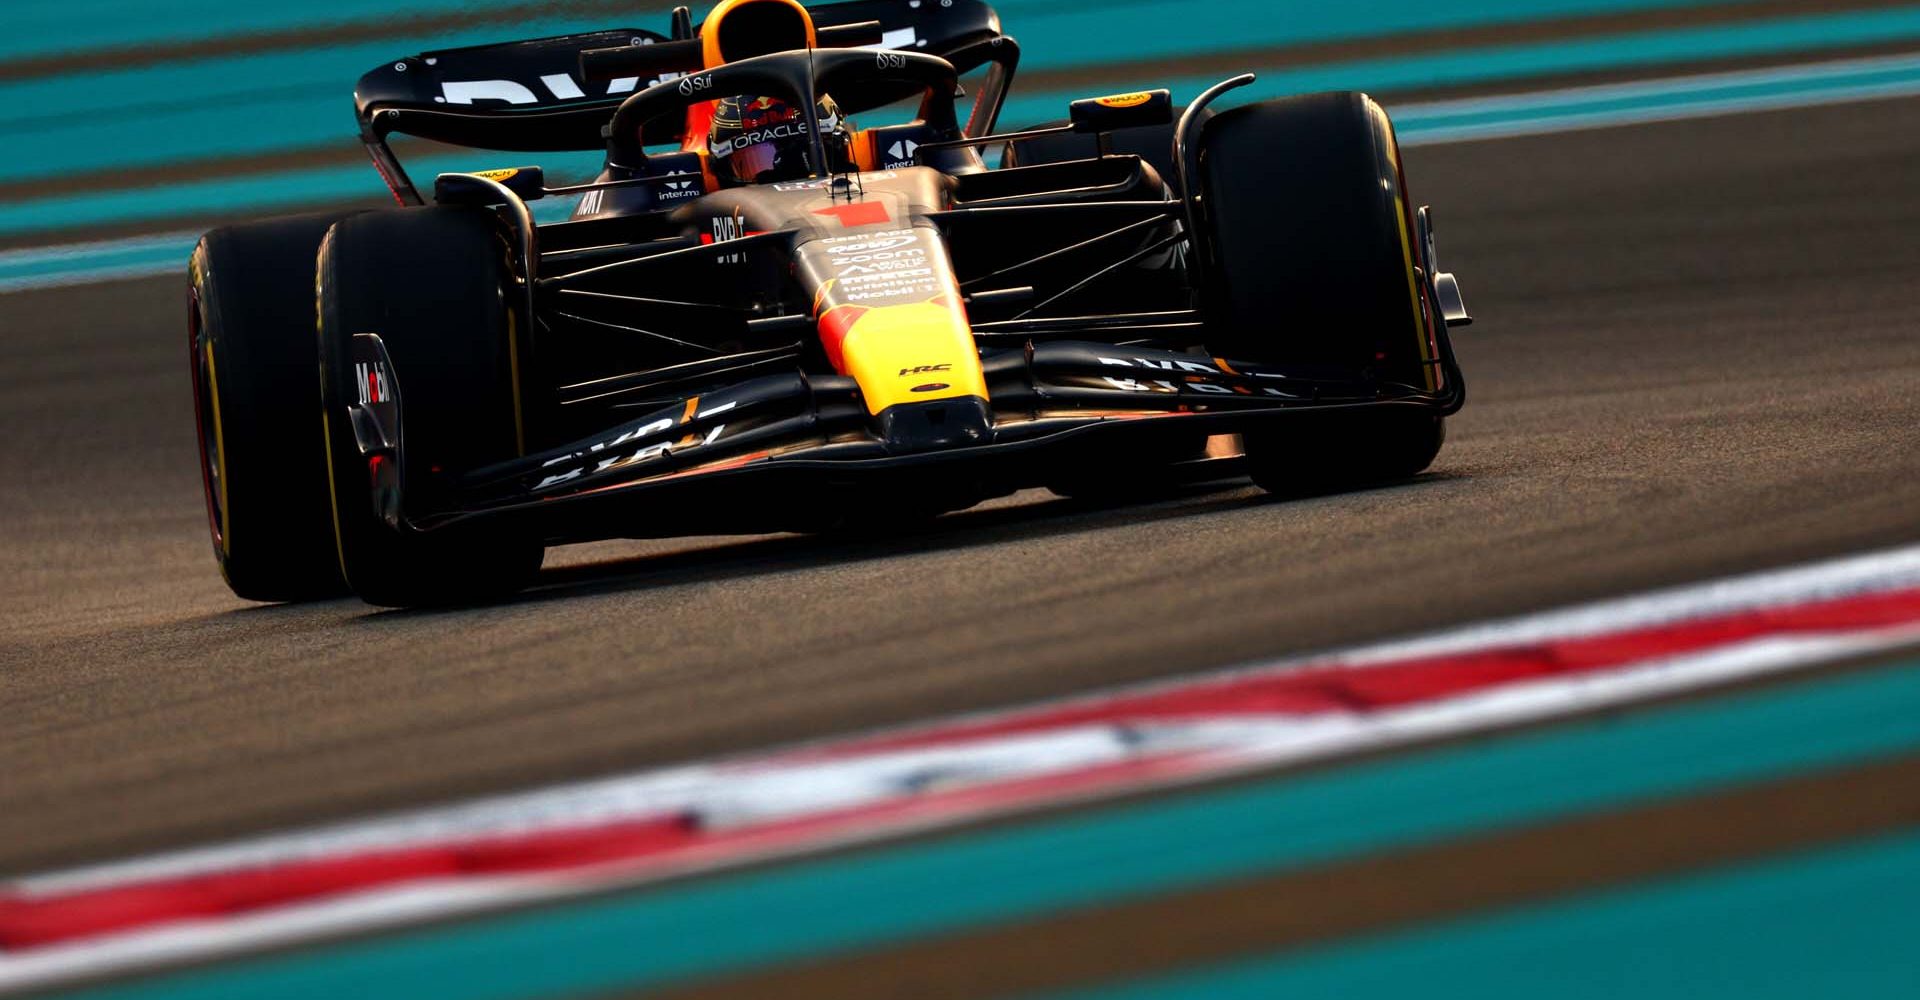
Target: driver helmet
{"type": "Point", "coordinates": [760, 139]}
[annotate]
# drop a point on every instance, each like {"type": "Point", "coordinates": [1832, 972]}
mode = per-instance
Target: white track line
{"type": "Point", "coordinates": [1241, 746]}
{"type": "Point", "coordinates": [799, 781]}
{"type": "Point", "coordinates": [661, 791]}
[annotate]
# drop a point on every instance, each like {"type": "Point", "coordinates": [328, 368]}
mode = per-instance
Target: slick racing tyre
{"type": "Point", "coordinates": [250, 321]}
{"type": "Point", "coordinates": [432, 285]}
{"type": "Point", "coordinates": [1130, 470]}
{"type": "Point", "coordinates": [1326, 452]}
{"type": "Point", "coordinates": [1312, 268]}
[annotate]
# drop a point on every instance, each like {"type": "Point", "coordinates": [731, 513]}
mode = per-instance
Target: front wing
{"type": "Point", "coordinates": [783, 452]}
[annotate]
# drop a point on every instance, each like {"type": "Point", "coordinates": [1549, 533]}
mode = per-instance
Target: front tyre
{"type": "Point", "coordinates": [432, 284]}
{"type": "Point", "coordinates": [1132, 470]}
{"type": "Point", "coordinates": [1326, 452]}
{"type": "Point", "coordinates": [1312, 267]}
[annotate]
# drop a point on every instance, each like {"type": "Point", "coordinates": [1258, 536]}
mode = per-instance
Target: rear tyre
{"type": "Point", "coordinates": [250, 320]}
{"type": "Point", "coordinates": [432, 284]}
{"type": "Point", "coordinates": [1312, 269]}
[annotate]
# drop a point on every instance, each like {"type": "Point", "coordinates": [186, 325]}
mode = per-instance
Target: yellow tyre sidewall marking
{"type": "Point", "coordinates": [513, 373]}
{"type": "Point", "coordinates": [333, 493]}
{"type": "Point", "coordinates": [1406, 251]}
{"type": "Point", "coordinates": [219, 454]}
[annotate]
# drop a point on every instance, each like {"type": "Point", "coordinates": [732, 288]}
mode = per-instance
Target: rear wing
{"type": "Point", "coordinates": [530, 96]}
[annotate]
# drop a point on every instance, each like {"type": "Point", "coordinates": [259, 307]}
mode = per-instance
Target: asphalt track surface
{"type": "Point", "coordinates": [1697, 354]}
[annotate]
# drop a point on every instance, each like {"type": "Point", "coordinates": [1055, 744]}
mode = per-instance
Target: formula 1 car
{"type": "Point", "coordinates": [886, 328]}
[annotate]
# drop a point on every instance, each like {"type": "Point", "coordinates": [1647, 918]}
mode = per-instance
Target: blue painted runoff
{"type": "Point", "coordinates": [889, 895]}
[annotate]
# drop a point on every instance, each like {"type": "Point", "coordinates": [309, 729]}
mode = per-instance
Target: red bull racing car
{"type": "Point", "coordinates": [759, 317]}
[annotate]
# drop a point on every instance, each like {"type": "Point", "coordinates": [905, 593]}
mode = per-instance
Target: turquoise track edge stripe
{"type": "Point", "coordinates": [1833, 922]}
{"type": "Point", "coordinates": [305, 104]}
{"type": "Point", "coordinates": [1646, 51]}
{"type": "Point", "coordinates": [1419, 124]}
{"type": "Point", "coordinates": [886, 895]}
{"type": "Point", "coordinates": [262, 192]}
{"type": "Point", "coordinates": [1058, 33]}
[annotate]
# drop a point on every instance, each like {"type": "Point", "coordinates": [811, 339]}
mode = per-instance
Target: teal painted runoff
{"type": "Point", "coordinates": [888, 895]}
{"type": "Point", "coordinates": [256, 105]}
{"type": "Point", "coordinates": [1060, 35]}
{"type": "Point", "coordinates": [1066, 30]}
{"type": "Point", "coordinates": [1057, 33]}
{"type": "Point", "coordinates": [1592, 107]}
{"type": "Point", "coordinates": [42, 28]}
{"type": "Point", "coordinates": [1454, 120]}
{"type": "Point", "coordinates": [1838, 922]}
{"type": "Point", "coordinates": [1419, 124]}
{"type": "Point", "coordinates": [1512, 62]}
{"type": "Point", "coordinates": [265, 193]}
{"type": "Point", "coordinates": [40, 267]}
{"type": "Point", "coordinates": [232, 106]}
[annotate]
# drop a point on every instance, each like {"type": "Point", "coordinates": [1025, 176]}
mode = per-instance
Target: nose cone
{"type": "Point", "coordinates": [935, 424]}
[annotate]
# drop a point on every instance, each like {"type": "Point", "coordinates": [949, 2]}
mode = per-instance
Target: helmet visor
{"type": "Point", "coordinates": [749, 162]}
